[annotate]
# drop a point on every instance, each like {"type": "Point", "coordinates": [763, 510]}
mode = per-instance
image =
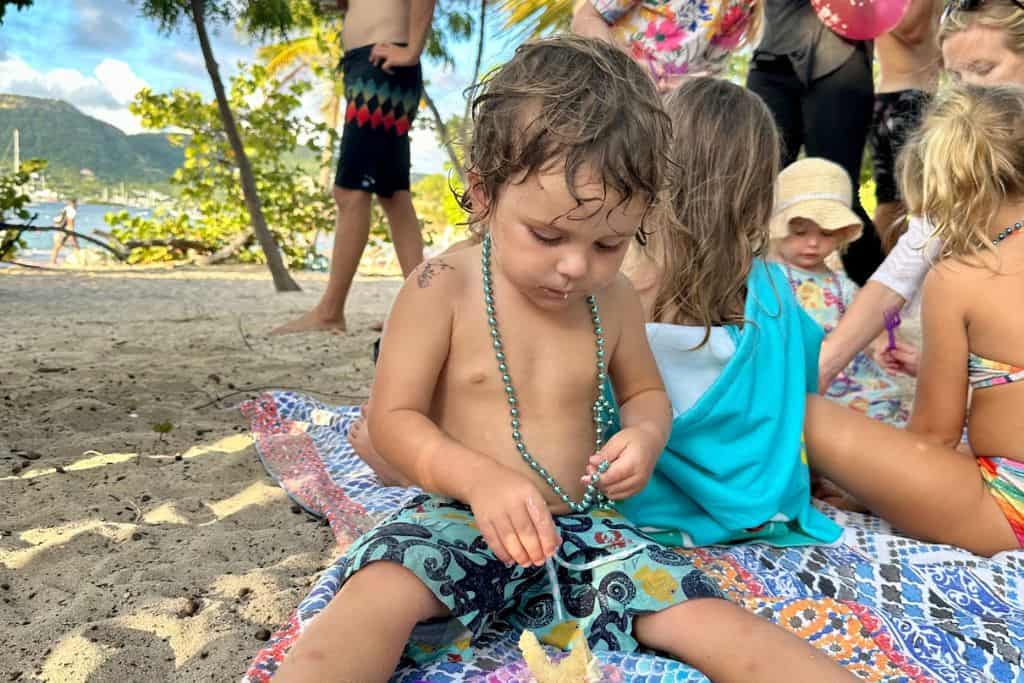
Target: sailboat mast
{"type": "Point", "coordinates": [17, 151]}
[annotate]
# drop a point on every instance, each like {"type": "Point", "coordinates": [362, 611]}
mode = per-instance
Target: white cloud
{"type": "Point", "coordinates": [103, 94]}
{"type": "Point", "coordinates": [119, 79]}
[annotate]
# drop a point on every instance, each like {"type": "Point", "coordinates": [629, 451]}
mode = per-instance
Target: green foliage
{"type": "Point", "coordinates": [13, 201]}
{"type": "Point", "coordinates": [162, 427]}
{"type": "Point", "coordinates": [257, 17]}
{"type": "Point", "coordinates": [211, 208]}
{"type": "Point", "coordinates": [71, 141]}
{"type": "Point", "coordinates": [535, 18]}
{"type": "Point", "coordinates": [454, 20]}
{"type": "Point", "coordinates": [438, 210]}
{"type": "Point", "coordinates": [17, 4]}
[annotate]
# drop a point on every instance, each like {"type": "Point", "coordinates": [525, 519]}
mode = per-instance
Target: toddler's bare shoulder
{"type": "Point", "coordinates": [446, 273]}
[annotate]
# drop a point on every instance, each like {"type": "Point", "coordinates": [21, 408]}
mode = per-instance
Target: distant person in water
{"type": "Point", "coordinates": [383, 87]}
{"type": "Point", "coordinates": [65, 219]}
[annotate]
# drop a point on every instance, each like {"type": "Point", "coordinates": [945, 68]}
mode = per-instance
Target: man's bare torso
{"type": "Point", "coordinates": [551, 359]}
{"type": "Point", "coordinates": [375, 21]}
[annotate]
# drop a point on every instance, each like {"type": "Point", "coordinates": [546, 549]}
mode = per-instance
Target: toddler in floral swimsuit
{"type": "Point", "coordinates": [812, 220]}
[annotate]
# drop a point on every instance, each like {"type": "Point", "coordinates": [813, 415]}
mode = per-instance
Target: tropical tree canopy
{"type": "Point", "coordinates": [211, 216]}
{"type": "Point", "coordinates": [17, 4]}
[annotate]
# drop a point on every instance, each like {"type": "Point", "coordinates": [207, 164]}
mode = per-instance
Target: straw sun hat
{"type": "Point", "coordinates": [817, 189]}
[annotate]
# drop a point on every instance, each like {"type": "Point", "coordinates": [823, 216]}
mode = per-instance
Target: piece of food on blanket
{"type": "Point", "coordinates": [579, 667]}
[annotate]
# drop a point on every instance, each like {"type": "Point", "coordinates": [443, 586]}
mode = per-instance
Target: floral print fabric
{"type": "Point", "coordinates": [862, 385]}
{"type": "Point", "coordinates": [677, 38]}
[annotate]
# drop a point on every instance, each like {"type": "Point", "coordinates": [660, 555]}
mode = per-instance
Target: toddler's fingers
{"type": "Point", "coordinates": [510, 540]}
{"type": "Point", "coordinates": [528, 537]}
{"type": "Point", "coordinates": [619, 471]}
{"type": "Point", "coordinates": [493, 540]}
{"type": "Point", "coordinates": [610, 451]}
{"type": "Point", "coordinates": [544, 524]}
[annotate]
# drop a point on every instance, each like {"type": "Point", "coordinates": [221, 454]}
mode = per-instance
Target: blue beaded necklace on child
{"type": "Point", "coordinates": [601, 408]}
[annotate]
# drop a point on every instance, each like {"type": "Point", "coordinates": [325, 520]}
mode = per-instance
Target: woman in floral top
{"type": "Point", "coordinates": [673, 39]}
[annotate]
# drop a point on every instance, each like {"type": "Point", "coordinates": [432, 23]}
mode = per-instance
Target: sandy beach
{"type": "Point", "coordinates": [140, 538]}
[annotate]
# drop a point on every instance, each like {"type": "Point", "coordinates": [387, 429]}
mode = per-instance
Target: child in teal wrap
{"type": "Point", "coordinates": [736, 352]}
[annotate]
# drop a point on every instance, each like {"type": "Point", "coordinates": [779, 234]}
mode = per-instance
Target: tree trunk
{"type": "Point", "coordinates": [228, 250]}
{"type": "Point", "coordinates": [465, 128]}
{"type": "Point", "coordinates": [442, 137]}
{"type": "Point", "coordinates": [283, 281]}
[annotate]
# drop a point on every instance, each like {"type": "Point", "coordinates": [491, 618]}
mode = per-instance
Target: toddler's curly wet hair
{"type": "Point", "coordinates": [571, 101]}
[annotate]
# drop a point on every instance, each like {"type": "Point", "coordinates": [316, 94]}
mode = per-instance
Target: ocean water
{"type": "Point", "coordinates": [90, 217]}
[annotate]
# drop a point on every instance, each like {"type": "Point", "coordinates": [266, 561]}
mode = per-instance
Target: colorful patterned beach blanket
{"type": "Point", "coordinates": [888, 608]}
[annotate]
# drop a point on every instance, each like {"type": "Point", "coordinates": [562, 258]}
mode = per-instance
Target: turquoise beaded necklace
{"type": "Point", "coordinates": [601, 409]}
{"type": "Point", "coordinates": [1003, 234]}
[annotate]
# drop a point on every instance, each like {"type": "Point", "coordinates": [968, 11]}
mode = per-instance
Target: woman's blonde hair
{"type": "Point", "coordinates": [965, 160]}
{"type": "Point", "coordinates": [713, 220]}
{"type": "Point", "coordinates": [1005, 15]}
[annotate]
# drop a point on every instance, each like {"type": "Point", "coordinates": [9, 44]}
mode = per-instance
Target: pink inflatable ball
{"type": "Point", "coordinates": [860, 19]}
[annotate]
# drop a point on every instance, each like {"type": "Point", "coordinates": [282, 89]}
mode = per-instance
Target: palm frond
{"type": "Point", "coordinates": [535, 18]}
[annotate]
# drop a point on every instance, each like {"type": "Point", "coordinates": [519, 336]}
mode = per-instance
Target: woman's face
{"type": "Point", "coordinates": [979, 55]}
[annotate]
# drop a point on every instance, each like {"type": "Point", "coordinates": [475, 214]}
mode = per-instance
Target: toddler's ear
{"type": "Point", "coordinates": [479, 201]}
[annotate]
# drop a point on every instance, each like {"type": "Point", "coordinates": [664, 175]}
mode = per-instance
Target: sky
{"type": "Point", "coordinates": [96, 54]}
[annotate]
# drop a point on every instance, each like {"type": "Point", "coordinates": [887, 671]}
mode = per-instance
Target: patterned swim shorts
{"type": "Point", "coordinates": [607, 570]}
{"type": "Point", "coordinates": [380, 110]}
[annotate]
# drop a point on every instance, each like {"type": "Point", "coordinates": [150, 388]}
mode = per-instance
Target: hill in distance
{"type": "Point", "coordinates": [71, 141]}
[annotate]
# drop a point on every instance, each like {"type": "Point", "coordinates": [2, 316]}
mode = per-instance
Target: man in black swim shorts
{"type": "Point", "coordinates": [908, 64]}
{"type": "Point", "coordinates": [383, 87]}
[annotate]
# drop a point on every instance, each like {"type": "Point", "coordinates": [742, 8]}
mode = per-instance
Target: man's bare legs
{"type": "Point", "coordinates": [928, 491]}
{"type": "Point", "coordinates": [405, 230]}
{"type": "Point", "coordinates": [59, 241]}
{"type": "Point", "coordinates": [705, 633]}
{"type": "Point", "coordinates": [360, 635]}
{"type": "Point", "coordinates": [351, 232]}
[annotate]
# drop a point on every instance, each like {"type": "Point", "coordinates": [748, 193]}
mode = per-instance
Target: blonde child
{"type": "Point", "coordinates": [812, 221]}
{"type": "Point", "coordinates": [965, 172]}
{"type": "Point", "coordinates": [736, 352]}
{"type": "Point", "coordinates": [488, 395]}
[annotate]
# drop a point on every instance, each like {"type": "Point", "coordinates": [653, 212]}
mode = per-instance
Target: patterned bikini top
{"type": "Point", "coordinates": [982, 372]}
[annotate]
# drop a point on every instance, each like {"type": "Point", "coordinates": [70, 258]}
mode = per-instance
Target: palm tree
{"type": "Point", "coordinates": [535, 18]}
{"type": "Point", "coordinates": [317, 51]}
{"type": "Point", "coordinates": [258, 16]}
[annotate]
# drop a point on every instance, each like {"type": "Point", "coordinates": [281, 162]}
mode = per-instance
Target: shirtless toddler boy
{"type": "Point", "coordinates": [489, 396]}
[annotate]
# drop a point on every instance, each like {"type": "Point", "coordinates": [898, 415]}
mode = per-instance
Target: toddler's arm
{"type": "Point", "coordinates": [644, 408]}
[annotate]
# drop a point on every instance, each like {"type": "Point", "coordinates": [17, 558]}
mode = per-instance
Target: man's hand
{"type": "Point", "coordinates": [514, 519]}
{"type": "Point", "coordinates": [388, 55]}
{"type": "Point", "coordinates": [632, 454]}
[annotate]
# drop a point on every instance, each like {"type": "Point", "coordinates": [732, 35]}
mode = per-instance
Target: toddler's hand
{"type": "Point", "coordinates": [902, 359]}
{"type": "Point", "coordinates": [514, 519]}
{"type": "Point", "coordinates": [632, 454]}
